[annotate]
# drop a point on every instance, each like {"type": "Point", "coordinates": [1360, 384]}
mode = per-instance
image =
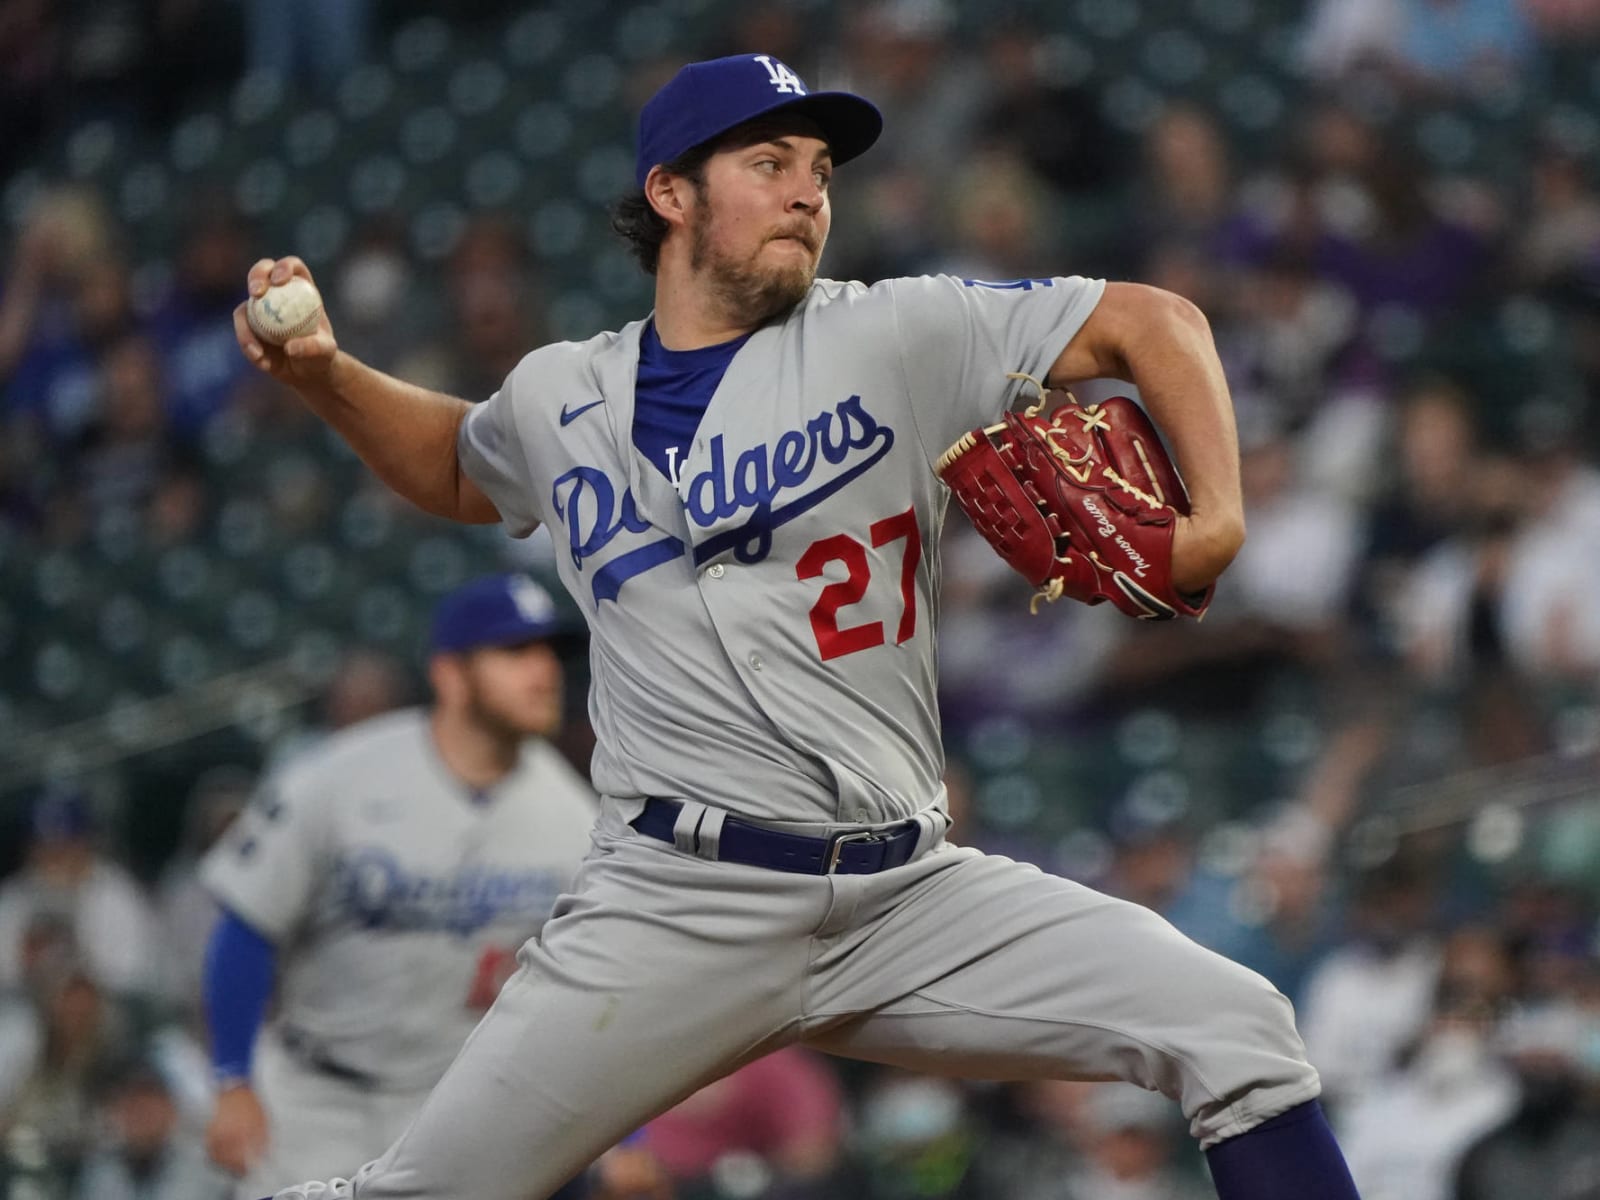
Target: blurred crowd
{"type": "Point", "coordinates": [1414, 352]}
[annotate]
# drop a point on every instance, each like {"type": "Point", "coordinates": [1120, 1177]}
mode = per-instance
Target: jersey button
{"type": "Point", "coordinates": [715, 570]}
{"type": "Point", "coordinates": [755, 662]}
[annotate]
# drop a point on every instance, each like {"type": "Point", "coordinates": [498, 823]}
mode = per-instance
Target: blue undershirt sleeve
{"type": "Point", "coordinates": [240, 969]}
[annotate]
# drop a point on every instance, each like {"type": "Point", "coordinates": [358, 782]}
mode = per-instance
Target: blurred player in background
{"type": "Point", "coordinates": [383, 882]}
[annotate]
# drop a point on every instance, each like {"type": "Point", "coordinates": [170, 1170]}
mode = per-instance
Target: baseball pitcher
{"type": "Point", "coordinates": [745, 491]}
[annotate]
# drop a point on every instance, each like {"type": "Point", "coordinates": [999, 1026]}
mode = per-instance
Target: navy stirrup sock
{"type": "Point", "coordinates": [1291, 1157]}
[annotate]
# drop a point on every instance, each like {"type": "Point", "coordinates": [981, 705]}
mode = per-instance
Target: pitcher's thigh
{"type": "Point", "coordinates": [547, 1081]}
{"type": "Point", "coordinates": [1026, 975]}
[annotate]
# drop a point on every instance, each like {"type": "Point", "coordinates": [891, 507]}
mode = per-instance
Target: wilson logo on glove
{"type": "Point", "coordinates": [1082, 503]}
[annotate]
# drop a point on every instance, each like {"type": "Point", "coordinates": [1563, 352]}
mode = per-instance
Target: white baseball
{"type": "Point", "coordinates": [284, 311]}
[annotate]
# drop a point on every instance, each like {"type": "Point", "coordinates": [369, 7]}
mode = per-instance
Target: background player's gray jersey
{"type": "Point", "coordinates": [396, 899]}
{"type": "Point", "coordinates": [762, 637]}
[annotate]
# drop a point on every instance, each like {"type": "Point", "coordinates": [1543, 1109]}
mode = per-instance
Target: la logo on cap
{"type": "Point", "coordinates": [783, 79]}
{"type": "Point", "coordinates": [532, 601]}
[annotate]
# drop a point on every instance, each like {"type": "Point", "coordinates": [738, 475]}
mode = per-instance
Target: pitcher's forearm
{"type": "Point", "coordinates": [404, 433]}
{"type": "Point", "coordinates": [1180, 379]}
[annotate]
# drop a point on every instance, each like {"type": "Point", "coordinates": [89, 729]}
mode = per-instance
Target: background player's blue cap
{"type": "Point", "coordinates": [501, 610]}
{"type": "Point", "coordinates": [61, 813]}
{"type": "Point", "coordinates": [705, 99]}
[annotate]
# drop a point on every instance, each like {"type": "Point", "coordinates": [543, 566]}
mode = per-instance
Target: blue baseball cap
{"type": "Point", "coordinates": [500, 610]}
{"type": "Point", "coordinates": [61, 814]}
{"type": "Point", "coordinates": [705, 99]}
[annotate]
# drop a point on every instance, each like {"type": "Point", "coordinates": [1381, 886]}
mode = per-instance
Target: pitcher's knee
{"type": "Point", "coordinates": [1243, 1059]}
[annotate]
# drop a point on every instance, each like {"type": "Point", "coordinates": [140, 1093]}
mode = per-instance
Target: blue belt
{"type": "Point", "coordinates": [849, 852]}
{"type": "Point", "coordinates": [305, 1049]}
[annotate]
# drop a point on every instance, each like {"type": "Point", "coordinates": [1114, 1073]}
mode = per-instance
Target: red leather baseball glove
{"type": "Point", "coordinates": [1083, 503]}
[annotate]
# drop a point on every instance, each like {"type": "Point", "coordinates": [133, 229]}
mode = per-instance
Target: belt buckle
{"type": "Point", "coordinates": [837, 842]}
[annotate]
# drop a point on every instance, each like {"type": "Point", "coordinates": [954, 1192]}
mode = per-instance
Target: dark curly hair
{"type": "Point", "coordinates": [637, 223]}
{"type": "Point", "coordinates": [641, 226]}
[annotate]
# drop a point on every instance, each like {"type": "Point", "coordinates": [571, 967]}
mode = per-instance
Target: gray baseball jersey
{"type": "Point", "coordinates": [398, 900]}
{"type": "Point", "coordinates": [762, 636]}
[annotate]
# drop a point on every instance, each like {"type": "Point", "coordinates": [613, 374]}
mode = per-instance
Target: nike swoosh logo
{"type": "Point", "coordinates": [568, 418]}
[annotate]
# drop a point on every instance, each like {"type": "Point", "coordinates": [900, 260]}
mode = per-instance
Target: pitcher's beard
{"type": "Point", "coordinates": [747, 291]}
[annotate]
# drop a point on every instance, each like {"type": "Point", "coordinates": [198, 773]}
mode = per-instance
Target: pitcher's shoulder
{"type": "Point", "coordinates": [576, 355]}
{"type": "Point", "coordinates": [853, 295]}
{"type": "Point", "coordinates": [827, 293]}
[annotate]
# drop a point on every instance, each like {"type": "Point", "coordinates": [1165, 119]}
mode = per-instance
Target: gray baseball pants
{"type": "Point", "coordinates": [663, 971]}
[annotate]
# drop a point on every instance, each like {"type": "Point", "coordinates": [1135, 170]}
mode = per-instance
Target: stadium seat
{"type": "Point", "coordinates": [477, 88]}
{"type": "Point", "coordinates": [421, 46]}
{"type": "Point", "coordinates": [534, 39]}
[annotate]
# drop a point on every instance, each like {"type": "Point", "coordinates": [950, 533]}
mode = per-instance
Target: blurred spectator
{"type": "Point", "coordinates": [782, 1112]}
{"type": "Point", "coordinates": [915, 1139]}
{"type": "Point", "coordinates": [1427, 500]}
{"type": "Point", "coordinates": [308, 41]}
{"type": "Point", "coordinates": [180, 506]}
{"type": "Point", "coordinates": [1266, 897]}
{"type": "Point", "coordinates": [377, 295]}
{"type": "Point", "coordinates": [1551, 625]}
{"type": "Point", "coordinates": [125, 452]}
{"type": "Point", "coordinates": [1033, 110]}
{"type": "Point", "coordinates": [1187, 191]}
{"type": "Point", "coordinates": [1278, 917]}
{"type": "Point", "coordinates": [65, 298]}
{"type": "Point", "coordinates": [904, 54]}
{"type": "Point", "coordinates": [1559, 234]}
{"type": "Point", "coordinates": [1291, 330]}
{"type": "Point", "coordinates": [1478, 975]}
{"type": "Point", "coordinates": [1128, 1142]}
{"type": "Point", "coordinates": [1406, 1138]}
{"type": "Point", "coordinates": [147, 1154]}
{"type": "Point", "coordinates": [999, 219]}
{"type": "Point", "coordinates": [364, 683]}
{"type": "Point", "coordinates": [1548, 1145]}
{"type": "Point", "coordinates": [1296, 568]}
{"type": "Point", "coordinates": [985, 619]}
{"type": "Point", "coordinates": [26, 1168]}
{"type": "Point", "coordinates": [83, 1036]}
{"type": "Point", "coordinates": [1280, 610]}
{"type": "Point", "coordinates": [193, 325]}
{"type": "Point", "coordinates": [626, 1172]}
{"type": "Point", "coordinates": [1473, 44]}
{"type": "Point", "coordinates": [1450, 603]}
{"type": "Point", "coordinates": [1344, 37]}
{"type": "Point", "coordinates": [186, 911]}
{"type": "Point", "coordinates": [1453, 621]}
{"type": "Point", "coordinates": [1370, 997]}
{"type": "Point", "coordinates": [1426, 46]}
{"type": "Point", "coordinates": [785, 29]}
{"type": "Point", "coordinates": [495, 313]}
{"type": "Point", "coordinates": [1551, 928]}
{"type": "Point", "coordinates": [67, 876]}
{"type": "Point", "coordinates": [1383, 236]}
{"type": "Point", "coordinates": [1515, 592]}
{"type": "Point", "coordinates": [1088, 1141]}
{"type": "Point", "coordinates": [1152, 861]}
